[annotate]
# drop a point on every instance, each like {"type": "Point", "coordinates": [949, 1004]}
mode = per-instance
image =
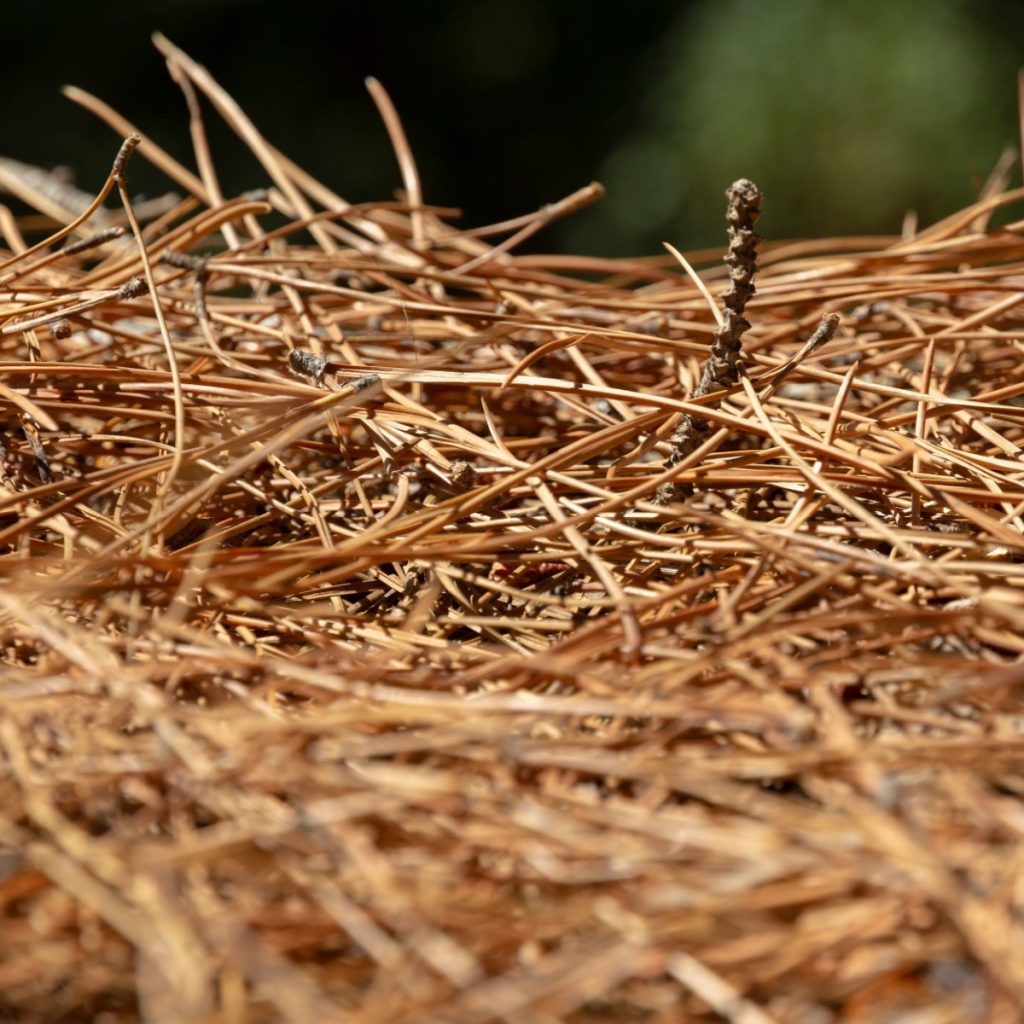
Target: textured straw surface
{"type": "Point", "coordinates": [354, 669]}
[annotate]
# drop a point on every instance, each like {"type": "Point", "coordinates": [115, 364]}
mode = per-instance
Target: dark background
{"type": "Point", "coordinates": [847, 113]}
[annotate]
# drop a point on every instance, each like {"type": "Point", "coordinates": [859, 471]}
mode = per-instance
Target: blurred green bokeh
{"type": "Point", "coordinates": [847, 113]}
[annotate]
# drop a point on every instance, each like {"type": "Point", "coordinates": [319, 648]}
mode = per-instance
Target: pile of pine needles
{"type": "Point", "coordinates": [380, 644]}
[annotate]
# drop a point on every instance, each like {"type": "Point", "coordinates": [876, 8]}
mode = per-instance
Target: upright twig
{"type": "Point", "coordinates": [720, 370]}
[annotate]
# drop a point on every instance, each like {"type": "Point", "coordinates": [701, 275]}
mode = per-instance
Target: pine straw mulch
{"type": "Point", "coordinates": [359, 667]}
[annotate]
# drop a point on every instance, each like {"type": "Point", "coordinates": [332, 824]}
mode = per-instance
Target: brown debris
{"type": "Point", "coordinates": [350, 671]}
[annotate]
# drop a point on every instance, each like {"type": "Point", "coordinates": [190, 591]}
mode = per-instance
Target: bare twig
{"type": "Point", "coordinates": [720, 370]}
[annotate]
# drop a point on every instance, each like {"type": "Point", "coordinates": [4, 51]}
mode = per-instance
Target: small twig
{"type": "Point", "coordinates": [720, 370]}
{"type": "Point", "coordinates": [183, 260]}
{"type": "Point", "coordinates": [93, 241]}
